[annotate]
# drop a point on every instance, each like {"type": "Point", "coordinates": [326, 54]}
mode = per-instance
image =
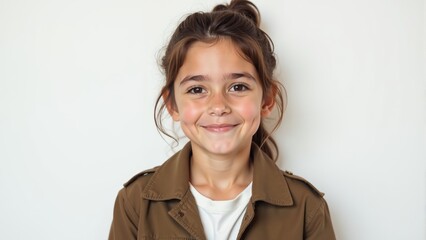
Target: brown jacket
{"type": "Point", "coordinates": [157, 204]}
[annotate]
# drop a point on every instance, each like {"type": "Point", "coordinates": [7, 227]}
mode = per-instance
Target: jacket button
{"type": "Point", "coordinates": [181, 214]}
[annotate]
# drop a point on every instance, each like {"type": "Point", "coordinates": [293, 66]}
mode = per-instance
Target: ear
{"type": "Point", "coordinates": [171, 106]}
{"type": "Point", "coordinates": [268, 103]}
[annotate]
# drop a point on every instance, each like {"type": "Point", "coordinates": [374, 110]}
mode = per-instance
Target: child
{"type": "Point", "coordinates": [224, 183]}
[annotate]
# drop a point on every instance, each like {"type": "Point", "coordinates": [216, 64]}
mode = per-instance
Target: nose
{"type": "Point", "coordinates": [218, 105]}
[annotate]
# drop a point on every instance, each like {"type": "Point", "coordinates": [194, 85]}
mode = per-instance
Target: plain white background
{"type": "Point", "coordinates": [78, 80]}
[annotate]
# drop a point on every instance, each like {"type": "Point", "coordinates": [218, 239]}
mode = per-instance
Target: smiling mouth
{"type": "Point", "coordinates": [219, 127]}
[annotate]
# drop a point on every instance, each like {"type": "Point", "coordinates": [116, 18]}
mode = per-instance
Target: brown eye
{"type": "Point", "coordinates": [196, 90]}
{"type": "Point", "coordinates": [238, 88]}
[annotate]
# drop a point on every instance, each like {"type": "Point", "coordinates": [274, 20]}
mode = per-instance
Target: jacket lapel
{"type": "Point", "coordinates": [186, 214]}
{"type": "Point", "coordinates": [269, 185]}
{"type": "Point", "coordinates": [171, 181]}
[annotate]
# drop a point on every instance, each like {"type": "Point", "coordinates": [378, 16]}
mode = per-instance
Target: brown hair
{"type": "Point", "coordinates": [239, 21]}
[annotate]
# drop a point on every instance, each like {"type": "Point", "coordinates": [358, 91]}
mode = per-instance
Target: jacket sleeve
{"type": "Point", "coordinates": [319, 225]}
{"type": "Point", "coordinates": [125, 219]}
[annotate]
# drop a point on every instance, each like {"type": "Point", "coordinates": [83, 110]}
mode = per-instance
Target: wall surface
{"type": "Point", "coordinates": [78, 80]}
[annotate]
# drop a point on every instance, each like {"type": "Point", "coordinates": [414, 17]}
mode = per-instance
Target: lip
{"type": "Point", "coordinates": [219, 127]}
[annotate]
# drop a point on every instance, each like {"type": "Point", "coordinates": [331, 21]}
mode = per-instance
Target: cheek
{"type": "Point", "coordinates": [189, 113]}
{"type": "Point", "coordinates": [250, 110]}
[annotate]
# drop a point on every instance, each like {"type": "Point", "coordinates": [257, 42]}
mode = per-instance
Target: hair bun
{"type": "Point", "coordinates": [244, 7]}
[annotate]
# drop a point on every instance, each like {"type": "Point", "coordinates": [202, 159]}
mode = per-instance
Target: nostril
{"type": "Point", "coordinates": [219, 111]}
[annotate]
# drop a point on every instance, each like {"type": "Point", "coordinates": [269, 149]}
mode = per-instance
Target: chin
{"type": "Point", "coordinates": [223, 148]}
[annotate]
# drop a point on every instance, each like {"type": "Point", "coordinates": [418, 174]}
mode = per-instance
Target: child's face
{"type": "Point", "coordinates": [218, 98]}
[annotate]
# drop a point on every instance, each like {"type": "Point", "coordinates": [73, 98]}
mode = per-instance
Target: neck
{"type": "Point", "coordinates": [221, 177]}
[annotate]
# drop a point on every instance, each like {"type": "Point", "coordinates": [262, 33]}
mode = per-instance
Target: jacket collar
{"type": "Point", "coordinates": [171, 180]}
{"type": "Point", "coordinates": [269, 184]}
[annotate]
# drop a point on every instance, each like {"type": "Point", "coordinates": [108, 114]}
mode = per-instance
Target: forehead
{"type": "Point", "coordinates": [216, 58]}
{"type": "Point", "coordinates": [223, 46]}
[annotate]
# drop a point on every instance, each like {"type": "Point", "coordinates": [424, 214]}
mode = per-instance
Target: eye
{"type": "Point", "coordinates": [196, 90]}
{"type": "Point", "coordinates": [238, 88]}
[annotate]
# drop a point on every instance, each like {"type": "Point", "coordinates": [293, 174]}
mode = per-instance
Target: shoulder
{"type": "Point", "coordinates": [307, 195]}
{"type": "Point", "coordinates": [317, 218]}
{"type": "Point", "coordinates": [131, 192]}
{"type": "Point", "coordinates": [299, 185]}
{"type": "Point", "coordinates": [128, 199]}
{"type": "Point", "coordinates": [141, 178]}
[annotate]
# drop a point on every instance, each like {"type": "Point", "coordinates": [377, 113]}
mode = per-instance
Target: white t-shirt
{"type": "Point", "coordinates": [222, 219]}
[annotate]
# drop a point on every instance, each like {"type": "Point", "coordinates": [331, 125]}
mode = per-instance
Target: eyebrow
{"type": "Point", "coordinates": [230, 76]}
